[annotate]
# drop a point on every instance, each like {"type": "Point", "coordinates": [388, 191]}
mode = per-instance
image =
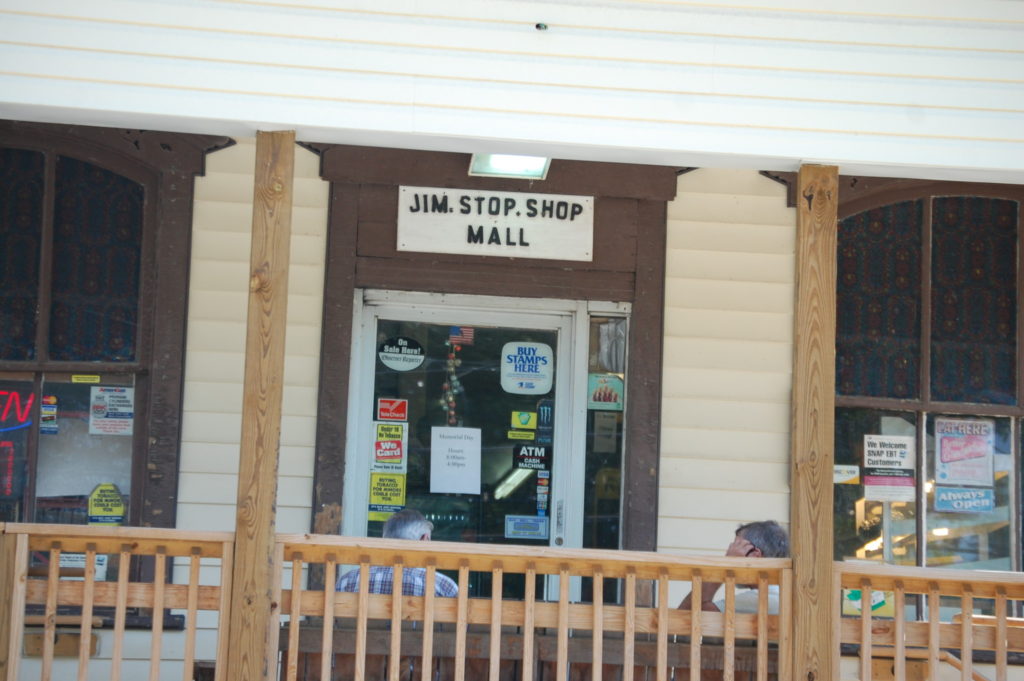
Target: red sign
{"type": "Point", "coordinates": [389, 451]}
{"type": "Point", "coordinates": [392, 410]}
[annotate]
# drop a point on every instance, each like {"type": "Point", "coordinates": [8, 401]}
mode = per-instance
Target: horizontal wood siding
{"type": "Point", "coordinates": [728, 360]}
{"type": "Point", "coordinates": [913, 88]}
{"type": "Point", "coordinates": [216, 341]}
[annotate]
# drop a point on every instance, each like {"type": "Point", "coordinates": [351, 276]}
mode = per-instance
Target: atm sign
{"type": "Point", "coordinates": [392, 410]}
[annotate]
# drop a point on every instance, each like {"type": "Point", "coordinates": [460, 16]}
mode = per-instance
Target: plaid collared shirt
{"type": "Point", "coordinates": [414, 582]}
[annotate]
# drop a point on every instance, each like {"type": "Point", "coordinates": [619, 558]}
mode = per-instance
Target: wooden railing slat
{"type": "Point", "coordinates": [497, 576]}
{"type": "Point", "coordinates": [227, 560]}
{"type": "Point", "coordinates": [1001, 634]}
{"type": "Point", "coordinates": [762, 627]}
{"type": "Point", "coordinates": [191, 615]}
{"type": "Point", "coordinates": [292, 663]}
{"type": "Point", "coordinates": [899, 622]}
{"type": "Point", "coordinates": [529, 600]}
{"type": "Point", "coordinates": [730, 628]}
{"type": "Point", "coordinates": [330, 574]}
{"type": "Point", "coordinates": [933, 626]}
{"type": "Point", "coordinates": [967, 633]}
{"type": "Point", "coordinates": [629, 630]}
{"type": "Point", "coordinates": [428, 621]}
{"type": "Point", "coordinates": [120, 610]}
{"type": "Point", "coordinates": [396, 622]}
{"type": "Point", "coordinates": [50, 614]}
{"type": "Point", "coordinates": [461, 623]}
{"type": "Point", "coordinates": [696, 591]}
{"type": "Point", "coordinates": [157, 628]}
{"type": "Point", "coordinates": [865, 629]}
{"type": "Point", "coordinates": [662, 671]}
{"type": "Point", "coordinates": [597, 627]}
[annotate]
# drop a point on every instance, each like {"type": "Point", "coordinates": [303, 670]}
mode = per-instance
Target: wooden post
{"type": "Point", "coordinates": [814, 422]}
{"type": "Point", "coordinates": [6, 591]}
{"type": "Point", "coordinates": [253, 610]}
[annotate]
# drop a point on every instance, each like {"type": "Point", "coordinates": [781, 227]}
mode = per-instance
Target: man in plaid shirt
{"type": "Point", "coordinates": [406, 524]}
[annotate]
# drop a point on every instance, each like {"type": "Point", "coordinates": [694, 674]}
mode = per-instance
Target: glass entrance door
{"type": "Point", "coordinates": [463, 413]}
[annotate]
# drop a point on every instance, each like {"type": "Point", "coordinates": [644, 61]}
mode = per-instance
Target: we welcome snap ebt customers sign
{"type": "Point", "coordinates": [510, 224]}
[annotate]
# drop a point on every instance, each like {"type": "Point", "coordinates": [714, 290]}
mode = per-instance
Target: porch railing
{"type": "Point", "coordinates": [543, 631]}
{"type": "Point", "coordinates": [940, 616]}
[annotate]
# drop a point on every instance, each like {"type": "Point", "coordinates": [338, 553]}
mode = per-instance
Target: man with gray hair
{"type": "Point", "coordinates": [405, 524]}
{"type": "Point", "coordinates": [762, 539]}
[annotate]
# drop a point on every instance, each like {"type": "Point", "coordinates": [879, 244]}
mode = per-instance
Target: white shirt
{"type": "Point", "coordinates": [747, 600]}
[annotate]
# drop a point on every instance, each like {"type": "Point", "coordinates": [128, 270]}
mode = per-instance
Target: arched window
{"type": "Point", "coordinates": [928, 374]}
{"type": "Point", "coordinates": [94, 244]}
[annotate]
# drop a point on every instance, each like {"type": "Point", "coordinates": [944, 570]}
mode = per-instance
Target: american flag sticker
{"type": "Point", "coordinates": [461, 334]}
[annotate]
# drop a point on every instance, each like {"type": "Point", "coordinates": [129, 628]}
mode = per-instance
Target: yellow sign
{"type": "Point", "coordinates": [882, 603]}
{"type": "Point", "coordinates": [106, 505]}
{"type": "Point", "coordinates": [524, 419]}
{"type": "Point", "coordinates": [520, 435]}
{"type": "Point", "coordinates": [85, 378]}
{"type": "Point", "coordinates": [387, 495]}
{"type": "Point", "coordinates": [389, 431]}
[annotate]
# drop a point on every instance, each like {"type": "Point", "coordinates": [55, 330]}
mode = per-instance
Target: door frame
{"type": "Point", "coordinates": [570, 317]}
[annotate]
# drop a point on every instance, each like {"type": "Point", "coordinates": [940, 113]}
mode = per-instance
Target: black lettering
{"type": "Point", "coordinates": [415, 207]}
{"type": "Point", "coordinates": [522, 238]}
{"type": "Point", "coordinates": [479, 204]}
{"type": "Point", "coordinates": [495, 237]}
{"type": "Point", "coordinates": [577, 210]}
{"type": "Point", "coordinates": [547, 209]}
{"type": "Point", "coordinates": [531, 208]}
{"type": "Point", "coordinates": [464, 206]}
{"type": "Point", "coordinates": [508, 237]}
{"type": "Point", "coordinates": [438, 205]}
{"type": "Point", "coordinates": [510, 205]}
{"type": "Point", "coordinates": [562, 210]}
{"type": "Point", "coordinates": [475, 237]}
{"type": "Point", "coordinates": [493, 206]}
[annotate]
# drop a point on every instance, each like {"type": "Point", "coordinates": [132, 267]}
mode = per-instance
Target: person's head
{"type": "Point", "coordinates": [768, 538]}
{"type": "Point", "coordinates": [408, 524]}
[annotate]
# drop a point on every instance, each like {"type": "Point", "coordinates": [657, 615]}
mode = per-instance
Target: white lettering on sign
{"type": "Point", "coordinates": [510, 224]}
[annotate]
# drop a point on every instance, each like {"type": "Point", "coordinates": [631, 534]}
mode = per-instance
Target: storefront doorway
{"type": "Point", "coordinates": [484, 413]}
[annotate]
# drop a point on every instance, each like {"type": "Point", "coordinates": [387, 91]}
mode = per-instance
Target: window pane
{"type": "Point", "coordinates": [87, 441]}
{"type": "Point", "coordinates": [96, 257]}
{"type": "Point", "coordinates": [17, 413]}
{"type": "Point", "coordinates": [878, 316]}
{"type": "Point", "coordinates": [21, 226]}
{"type": "Point", "coordinates": [970, 467]}
{"type": "Point", "coordinates": [605, 408]}
{"type": "Point", "coordinates": [875, 504]}
{"type": "Point", "coordinates": [974, 300]}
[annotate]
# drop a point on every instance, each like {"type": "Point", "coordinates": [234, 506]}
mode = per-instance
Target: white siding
{"type": "Point", "coordinates": [728, 360]}
{"type": "Point", "coordinates": [215, 351]}
{"type": "Point", "coordinates": [915, 88]}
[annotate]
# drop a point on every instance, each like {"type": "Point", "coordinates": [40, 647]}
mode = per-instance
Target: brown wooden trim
{"type": "Point", "coordinates": [935, 407]}
{"type": "Point", "coordinates": [628, 267]}
{"type": "Point", "coordinates": [252, 594]}
{"type": "Point", "coordinates": [643, 392]}
{"type": "Point", "coordinates": [813, 429]}
{"type": "Point", "coordinates": [377, 165]}
{"type": "Point", "coordinates": [336, 342]}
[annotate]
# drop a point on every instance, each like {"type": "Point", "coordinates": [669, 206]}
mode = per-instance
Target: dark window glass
{"type": "Point", "coordinates": [974, 300]}
{"type": "Point", "coordinates": [96, 259]}
{"type": "Point", "coordinates": [878, 346]}
{"type": "Point", "coordinates": [21, 224]}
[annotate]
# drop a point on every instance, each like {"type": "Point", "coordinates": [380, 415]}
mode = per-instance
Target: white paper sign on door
{"type": "Point", "coordinates": [454, 460]}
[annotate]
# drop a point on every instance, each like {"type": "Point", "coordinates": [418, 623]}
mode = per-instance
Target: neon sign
{"type": "Point", "coordinates": [13, 404]}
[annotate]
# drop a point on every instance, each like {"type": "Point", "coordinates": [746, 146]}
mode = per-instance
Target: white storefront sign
{"type": "Point", "coordinates": [510, 224]}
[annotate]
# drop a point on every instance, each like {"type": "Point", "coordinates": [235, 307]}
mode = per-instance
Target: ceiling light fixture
{"type": "Point", "coordinates": [509, 165]}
